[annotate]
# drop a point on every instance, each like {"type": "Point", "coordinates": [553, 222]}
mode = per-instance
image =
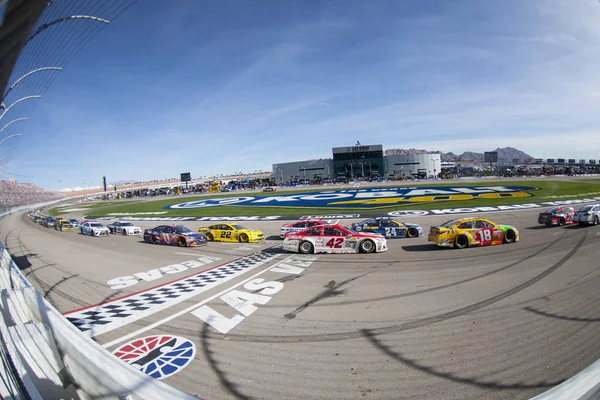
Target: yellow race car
{"type": "Point", "coordinates": [63, 225]}
{"type": "Point", "coordinates": [231, 233]}
{"type": "Point", "coordinates": [465, 232]}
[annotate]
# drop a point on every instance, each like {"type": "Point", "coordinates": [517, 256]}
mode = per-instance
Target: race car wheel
{"type": "Point", "coordinates": [244, 238]}
{"type": "Point", "coordinates": [124, 232]}
{"type": "Point", "coordinates": [413, 232]}
{"type": "Point", "coordinates": [510, 236]}
{"type": "Point", "coordinates": [152, 240]}
{"type": "Point", "coordinates": [306, 247]}
{"type": "Point", "coordinates": [548, 223]}
{"type": "Point", "coordinates": [461, 242]}
{"type": "Point", "coordinates": [596, 221]}
{"type": "Point", "coordinates": [209, 237]}
{"type": "Point", "coordinates": [182, 242]}
{"type": "Point", "coordinates": [580, 223]}
{"type": "Point", "coordinates": [367, 246]}
{"type": "Point", "coordinates": [561, 222]}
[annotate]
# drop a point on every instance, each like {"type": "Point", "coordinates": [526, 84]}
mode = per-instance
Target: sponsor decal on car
{"type": "Point", "coordinates": [158, 356]}
{"type": "Point", "coordinates": [364, 198]}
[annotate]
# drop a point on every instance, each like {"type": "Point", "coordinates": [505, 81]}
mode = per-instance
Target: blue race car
{"type": "Point", "coordinates": [388, 227]}
{"type": "Point", "coordinates": [177, 235]}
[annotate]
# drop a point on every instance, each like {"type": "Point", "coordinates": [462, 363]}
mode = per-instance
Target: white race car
{"type": "Point", "coordinates": [333, 239]}
{"type": "Point", "coordinates": [299, 226]}
{"type": "Point", "coordinates": [588, 215]}
{"type": "Point", "coordinates": [124, 228]}
{"type": "Point", "coordinates": [94, 229]}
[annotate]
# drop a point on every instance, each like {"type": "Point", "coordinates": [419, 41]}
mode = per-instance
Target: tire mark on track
{"type": "Point", "coordinates": [328, 337]}
{"type": "Point", "coordinates": [329, 257]}
{"type": "Point", "coordinates": [432, 289]}
{"type": "Point", "coordinates": [46, 288]}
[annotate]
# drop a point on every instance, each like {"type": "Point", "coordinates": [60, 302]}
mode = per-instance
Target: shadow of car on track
{"type": "Point", "coordinates": [274, 237]}
{"type": "Point", "coordinates": [540, 227]}
{"type": "Point", "coordinates": [423, 247]}
{"type": "Point", "coordinates": [577, 226]}
{"type": "Point", "coordinates": [23, 261]}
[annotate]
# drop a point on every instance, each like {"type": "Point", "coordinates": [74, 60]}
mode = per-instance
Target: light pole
{"type": "Point", "coordinates": [362, 168]}
{"type": "Point", "coordinates": [351, 171]}
{"type": "Point", "coordinates": [328, 176]}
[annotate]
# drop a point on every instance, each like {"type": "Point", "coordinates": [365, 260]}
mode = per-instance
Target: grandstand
{"type": "Point", "coordinates": [13, 194]}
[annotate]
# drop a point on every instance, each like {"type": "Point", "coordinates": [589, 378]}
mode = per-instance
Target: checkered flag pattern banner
{"type": "Point", "coordinates": [111, 315]}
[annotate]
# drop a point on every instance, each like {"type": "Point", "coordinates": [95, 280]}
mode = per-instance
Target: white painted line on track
{"type": "Point", "coordinates": [187, 254]}
{"type": "Point", "coordinates": [191, 308]}
{"type": "Point", "coordinates": [105, 317]}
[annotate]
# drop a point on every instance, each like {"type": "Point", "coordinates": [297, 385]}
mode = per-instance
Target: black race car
{"type": "Point", "coordinates": [557, 216]}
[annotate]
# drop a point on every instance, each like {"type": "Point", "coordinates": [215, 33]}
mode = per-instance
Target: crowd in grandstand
{"type": "Point", "coordinates": [13, 194]}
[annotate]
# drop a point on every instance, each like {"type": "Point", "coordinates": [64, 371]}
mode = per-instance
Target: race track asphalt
{"type": "Point", "coordinates": [418, 322]}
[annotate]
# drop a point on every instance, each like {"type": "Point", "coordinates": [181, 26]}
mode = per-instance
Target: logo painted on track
{"type": "Point", "coordinates": [366, 198]}
{"type": "Point", "coordinates": [408, 213]}
{"type": "Point", "coordinates": [158, 356]}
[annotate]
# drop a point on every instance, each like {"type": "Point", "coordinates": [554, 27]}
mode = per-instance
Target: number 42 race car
{"type": "Point", "coordinates": [333, 239]}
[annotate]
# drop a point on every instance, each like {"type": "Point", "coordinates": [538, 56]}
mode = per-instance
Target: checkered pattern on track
{"type": "Point", "coordinates": [117, 313]}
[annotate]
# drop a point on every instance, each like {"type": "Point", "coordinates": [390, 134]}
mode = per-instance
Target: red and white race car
{"type": "Point", "coordinates": [333, 239]}
{"type": "Point", "coordinates": [299, 226]}
{"type": "Point", "coordinates": [269, 189]}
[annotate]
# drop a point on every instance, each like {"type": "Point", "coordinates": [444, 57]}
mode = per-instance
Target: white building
{"type": "Point", "coordinates": [360, 161]}
{"type": "Point", "coordinates": [303, 170]}
{"type": "Point", "coordinates": [413, 166]}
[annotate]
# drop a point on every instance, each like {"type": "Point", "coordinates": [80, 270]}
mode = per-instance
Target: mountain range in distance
{"type": "Point", "coordinates": [506, 154]}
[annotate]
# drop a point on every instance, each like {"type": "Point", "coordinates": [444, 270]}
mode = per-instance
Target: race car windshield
{"type": "Point", "coordinates": [238, 227]}
{"type": "Point", "coordinates": [349, 229]}
{"type": "Point", "coordinates": [449, 223]}
{"type": "Point", "coordinates": [126, 224]}
{"type": "Point", "coordinates": [96, 225]}
{"type": "Point", "coordinates": [586, 208]}
{"type": "Point", "coordinates": [182, 229]}
{"type": "Point", "coordinates": [553, 210]}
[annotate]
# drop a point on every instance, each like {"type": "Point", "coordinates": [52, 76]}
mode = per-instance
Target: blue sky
{"type": "Point", "coordinates": [216, 87]}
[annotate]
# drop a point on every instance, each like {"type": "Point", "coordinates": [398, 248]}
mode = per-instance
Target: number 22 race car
{"type": "Point", "coordinates": [333, 239]}
{"type": "Point", "coordinates": [231, 233]}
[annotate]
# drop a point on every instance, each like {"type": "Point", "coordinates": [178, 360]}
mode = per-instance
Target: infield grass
{"type": "Point", "coordinates": [91, 206]}
{"type": "Point", "coordinates": [549, 190]}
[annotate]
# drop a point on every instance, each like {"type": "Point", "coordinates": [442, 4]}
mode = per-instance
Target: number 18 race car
{"type": "Point", "coordinates": [465, 232]}
{"type": "Point", "coordinates": [333, 239]}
